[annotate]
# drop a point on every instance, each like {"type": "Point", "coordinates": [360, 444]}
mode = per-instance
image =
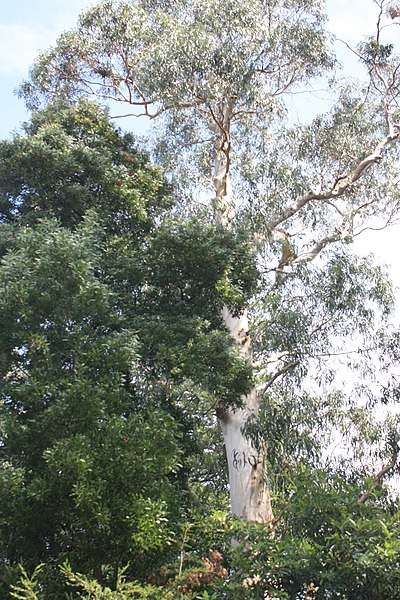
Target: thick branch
{"type": "Point", "coordinates": [317, 248]}
{"type": "Point", "coordinates": [341, 185]}
{"type": "Point", "coordinates": [288, 367]}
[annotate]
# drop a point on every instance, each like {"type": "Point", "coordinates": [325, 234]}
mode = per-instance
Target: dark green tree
{"type": "Point", "coordinates": [111, 353]}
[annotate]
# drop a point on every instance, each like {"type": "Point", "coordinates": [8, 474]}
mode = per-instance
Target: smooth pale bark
{"type": "Point", "coordinates": [248, 485]}
{"type": "Point", "coordinates": [223, 203]}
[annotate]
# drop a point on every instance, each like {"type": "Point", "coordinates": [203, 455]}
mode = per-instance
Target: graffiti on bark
{"type": "Point", "coordinates": [241, 459]}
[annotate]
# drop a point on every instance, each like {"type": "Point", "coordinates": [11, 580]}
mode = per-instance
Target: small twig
{"type": "Point", "coordinates": [184, 540]}
{"type": "Point", "coordinates": [276, 520]}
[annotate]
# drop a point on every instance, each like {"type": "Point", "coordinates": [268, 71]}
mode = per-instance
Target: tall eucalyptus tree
{"type": "Point", "coordinates": [216, 73]}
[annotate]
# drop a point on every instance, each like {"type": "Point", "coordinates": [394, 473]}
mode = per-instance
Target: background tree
{"type": "Point", "coordinates": [111, 349]}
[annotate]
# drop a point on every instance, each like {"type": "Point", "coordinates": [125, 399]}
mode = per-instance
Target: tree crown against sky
{"type": "Point", "coordinates": [136, 70]}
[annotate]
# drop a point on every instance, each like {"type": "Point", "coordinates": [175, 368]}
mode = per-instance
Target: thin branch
{"type": "Point", "coordinates": [344, 352]}
{"type": "Point", "coordinates": [336, 208]}
{"type": "Point", "coordinates": [317, 249]}
{"type": "Point", "coordinates": [349, 47]}
{"type": "Point", "coordinates": [378, 478]}
{"type": "Point", "coordinates": [129, 115]}
{"type": "Point", "coordinates": [182, 549]}
{"type": "Point", "coordinates": [279, 373]}
{"type": "Point", "coordinates": [319, 325]}
{"type": "Point", "coordinates": [276, 520]}
{"type": "Point", "coordinates": [370, 228]}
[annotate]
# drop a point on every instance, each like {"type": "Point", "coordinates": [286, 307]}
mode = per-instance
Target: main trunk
{"type": "Point", "coordinates": [249, 492]}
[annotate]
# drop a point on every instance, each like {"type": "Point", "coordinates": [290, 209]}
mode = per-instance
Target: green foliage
{"type": "Point", "coordinates": [79, 454]}
{"type": "Point", "coordinates": [108, 345]}
{"type": "Point", "coordinates": [71, 159]}
{"type": "Point", "coordinates": [27, 589]}
{"type": "Point", "coordinates": [124, 590]}
{"type": "Point", "coordinates": [373, 53]}
{"type": "Point", "coordinates": [321, 543]}
{"type": "Point", "coordinates": [201, 267]}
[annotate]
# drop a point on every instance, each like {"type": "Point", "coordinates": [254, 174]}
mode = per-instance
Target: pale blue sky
{"type": "Point", "coordinates": [27, 26]}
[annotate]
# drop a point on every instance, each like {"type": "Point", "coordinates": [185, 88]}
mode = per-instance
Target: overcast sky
{"type": "Point", "coordinates": [27, 26]}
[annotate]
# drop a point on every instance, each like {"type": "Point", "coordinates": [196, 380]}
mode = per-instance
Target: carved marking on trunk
{"type": "Point", "coordinates": [241, 459]}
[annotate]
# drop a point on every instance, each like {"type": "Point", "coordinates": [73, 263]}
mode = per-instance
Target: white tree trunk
{"type": "Point", "coordinates": [248, 485]}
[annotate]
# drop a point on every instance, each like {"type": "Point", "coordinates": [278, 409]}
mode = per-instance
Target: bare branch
{"type": "Point", "coordinates": [317, 248]}
{"type": "Point", "coordinates": [344, 352]}
{"type": "Point", "coordinates": [388, 223]}
{"type": "Point", "coordinates": [145, 114]}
